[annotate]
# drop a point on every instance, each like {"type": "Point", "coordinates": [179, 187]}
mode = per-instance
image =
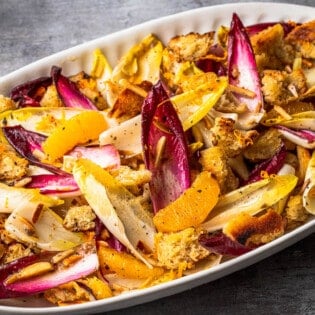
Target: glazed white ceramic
{"type": "Point", "coordinates": [79, 58]}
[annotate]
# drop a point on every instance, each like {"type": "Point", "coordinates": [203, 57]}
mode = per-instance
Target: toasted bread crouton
{"type": "Point", "coordinates": [133, 179]}
{"type": "Point", "coordinates": [180, 249]}
{"type": "Point", "coordinates": [303, 39]}
{"type": "Point", "coordinates": [264, 147]}
{"type": "Point", "coordinates": [80, 218]}
{"type": "Point", "coordinates": [9, 248]}
{"type": "Point", "coordinates": [227, 104]}
{"type": "Point", "coordinates": [296, 106]}
{"type": "Point", "coordinates": [68, 293]}
{"type": "Point", "coordinates": [214, 160]}
{"type": "Point", "coordinates": [280, 87]}
{"type": "Point", "coordinates": [294, 212]}
{"type": "Point", "coordinates": [12, 167]}
{"type": "Point", "coordinates": [179, 54]}
{"type": "Point", "coordinates": [128, 104]}
{"type": "Point", "coordinates": [271, 50]}
{"type": "Point", "coordinates": [191, 47]}
{"type": "Point", "coordinates": [130, 177]}
{"type": "Point", "coordinates": [231, 140]}
{"type": "Point", "coordinates": [249, 230]}
{"type": "Point", "coordinates": [5, 237]}
{"type": "Point", "coordinates": [15, 251]}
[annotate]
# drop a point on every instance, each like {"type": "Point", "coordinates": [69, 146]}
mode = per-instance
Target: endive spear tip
{"type": "Point", "coordinates": [242, 68]}
{"type": "Point", "coordinates": [68, 92]}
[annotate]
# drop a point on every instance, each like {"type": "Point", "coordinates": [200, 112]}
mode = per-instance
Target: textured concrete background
{"type": "Point", "coordinates": [32, 29]}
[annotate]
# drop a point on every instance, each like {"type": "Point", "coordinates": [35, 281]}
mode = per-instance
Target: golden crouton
{"type": "Point", "coordinates": [231, 140]}
{"type": "Point", "coordinates": [130, 177]}
{"type": "Point", "coordinates": [191, 47]}
{"type": "Point", "coordinates": [5, 237]}
{"type": "Point", "coordinates": [180, 249]}
{"type": "Point", "coordinates": [264, 147]}
{"type": "Point", "coordinates": [296, 106]}
{"type": "Point", "coordinates": [280, 87]}
{"type": "Point", "coordinates": [295, 213]}
{"type": "Point", "coordinates": [68, 293]}
{"type": "Point", "coordinates": [80, 218]}
{"type": "Point", "coordinates": [180, 53]}
{"type": "Point", "coordinates": [227, 104]}
{"type": "Point", "coordinates": [15, 251]}
{"type": "Point", "coordinates": [214, 160]}
{"type": "Point", "coordinates": [271, 50]}
{"type": "Point", "coordinates": [128, 104]}
{"type": "Point", "coordinates": [303, 39]}
{"type": "Point", "coordinates": [249, 230]}
{"type": "Point", "coordinates": [12, 167]}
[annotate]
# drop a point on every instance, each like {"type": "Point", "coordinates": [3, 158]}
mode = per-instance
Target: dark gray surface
{"type": "Point", "coordinates": [32, 29]}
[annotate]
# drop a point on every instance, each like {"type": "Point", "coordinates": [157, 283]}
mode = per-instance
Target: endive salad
{"type": "Point", "coordinates": [180, 156]}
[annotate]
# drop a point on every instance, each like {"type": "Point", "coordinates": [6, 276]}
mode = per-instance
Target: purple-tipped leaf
{"type": "Point", "coordinates": [30, 93]}
{"type": "Point", "coordinates": [304, 134]}
{"type": "Point", "coordinates": [13, 267]}
{"type": "Point", "coordinates": [55, 184]}
{"type": "Point", "coordinates": [242, 68]}
{"type": "Point", "coordinates": [68, 91]}
{"type": "Point", "coordinates": [26, 142]}
{"type": "Point", "coordinates": [165, 148]}
{"type": "Point", "coordinates": [271, 166]}
{"type": "Point", "coordinates": [220, 244]}
{"type": "Point", "coordinates": [60, 275]}
{"type": "Point", "coordinates": [106, 156]}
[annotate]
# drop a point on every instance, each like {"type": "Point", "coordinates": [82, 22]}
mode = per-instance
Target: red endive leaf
{"type": "Point", "coordinates": [11, 268]}
{"type": "Point", "coordinates": [31, 92]}
{"type": "Point", "coordinates": [165, 148]}
{"type": "Point", "coordinates": [220, 244]}
{"type": "Point", "coordinates": [55, 184]}
{"type": "Point", "coordinates": [26, 142]}
{"type": "Point", "coordinates": [68, 92]}
{"type": "Point", "coordinates": [60, 275]}
{"type": "Point", "coordinates": [242, 68]}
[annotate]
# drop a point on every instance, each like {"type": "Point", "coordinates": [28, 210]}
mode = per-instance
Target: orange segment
{"type": "Point", "coordinates": [79, 129]}
{"type": "Point", "coordinates": [191, 208]}
{"type": "Point", "coordinates": [125, 265]}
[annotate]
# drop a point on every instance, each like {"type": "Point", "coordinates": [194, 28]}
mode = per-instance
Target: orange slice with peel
{"type": "Point", "coordinates": [79, 129]}
{"type": "Point", "coordinates": [191, 208]}
{"type": "Point", "coordinates": [125, 265]}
